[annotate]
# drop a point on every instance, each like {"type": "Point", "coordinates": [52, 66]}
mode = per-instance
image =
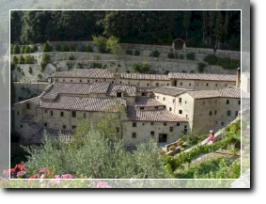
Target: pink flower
{"type": "Point", "coordinates": [21, 173]}
{"type": "Point", "coordinates": [42, 177]}
{"type": "Point", "coordinates": [43, 170]}
{"type": "Point", "coordinates": [102, 184]}
{"type": "Point", "coordinates": [56, 180]}
{"type": "Point", "coordinates": [67, 176]}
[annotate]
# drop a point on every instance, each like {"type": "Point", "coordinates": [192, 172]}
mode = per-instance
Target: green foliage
{"type": "Point", "coordinates": [71, 57]}
{"type": "Point", "coordinates": [64, 48]}
{"type": "Point", "coordinates": [191, 56]}
{"type": "Point", "coordinates": [100, 43]}
{"type": "Point", "coordinates": [46, 47]}
{"type": "Point", "coordinates": [89, 48]}
{"type": "Point", "coordinates": [28, 59]}
{"type": "Point", "coordinates": [34, 48]}
{"type": "Point", "coordinates": [225, 62]}
{"type": "Point", "coordinates": [112, 45]}
{"type": "Point", "coordinates": [92, 155]}
{"type": "Point", "coordinates": [16, 49]}
{"type": "Point", "coordinates": [21, 59]}
{"type": "Point", "coordinates": [45, 57]}
{"type": "Point", "coordinates": [96, 65]}
{"type": "Point", "coordinates": [201, 67]}
{"type": "Point", "coordinates": [143, 67]}
{"type": "Point", "coordinates": [155, 53]}
{"type": "Point", "coordinates": [15, 59]}
{"type": "Point", "coordinates": [39, 76]}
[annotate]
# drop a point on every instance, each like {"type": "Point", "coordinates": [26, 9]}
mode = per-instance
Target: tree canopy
{"type": "Point", "coordinates": [213, 29]}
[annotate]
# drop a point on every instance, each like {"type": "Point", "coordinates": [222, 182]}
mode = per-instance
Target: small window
{"type": "Point", "coordinates": [119, 94]}
{"type": "Point", "coordinates": [141, 108]}
{"type": "Point", "coordinates": [71, 80]}
{"type": "Point", "coordinates": [88, 81]}
{"type": "Point", "coordinates": [152, 133]}
{"type": "Point", "coordinates": [134, 124]}
{"type": "Point", "coordinates": [173, 100]}
{"type": "Point", "coordinates": [28, 106]}
{"type": "Point", "coordinates": [117, 129]}
{"type": "Point", "coordinates": [207, 84]}
{"type": "Point", "coordinates": [165, 124]}
{"type": "Point", "coordinates": [239, 102]}
{"type": "Point", "coordinates": [62, 114]}
{"type": "Point", "coordinates": [227, 102]}
{"type": "Point", "coordinates": [134, 135]}
{"type": "Point", "coordinates": [189, 84]}
{"type": "Point", "coordinates": [64, 127]}
{"type": "Point", "coordinates": [181, 84]}
{"type": "Point", "coordinates": [74, 127]}
{"type": "Point", "coordinates": [74, 114]}
{"type": "Point", "coordinates": [167, 84]}
{"type": "Point", "coordinates": [84, 115]}
{"type": "Point", "coordinates": [96, 80]}
{"type": "Point", "coordinates": [80, 80]}
{"type": "Point", "coordinates": [210, 113]}
{"type": "Point", "coordinates": [180, 111]}
{"type": "Point", "coordinates": [215, 112]}
{"type": "Point", "coordinates": [222, 123]}
{"type": "Point", "coordinates": [157, 84]}
{"type": "Point", "coordinates": [51, 113]}
{"type": "Point", "coordinates": [112, 82]}
{"type": "Point", "coordinates": [216, 85]}
{"type": "Point", "coordinates": [171, 129]}
{"type": "Point", "coordinates": [152, 123]}
{"type": "Point", "coordinates": [203, 103]}
{"type": "Point", "coordinates": [164, 98]}
{"type": "Point", "coordinates": [17, 112]}
{"type": "Point", "coordinates": [170, 109]}
{"type": "Point", "coordinates": [228, 113]}
{"type": "Point", "coordinates": [177, 124]}
{"type": "Point", "coordinates": [21, 126]}
{"type": "Point", "coordinates": [148, 84]}
{"type": "Point", "coordinates": [63, 80]}
{"type": "Point", "coordinates": [45, 125]}
{"type": "Point", "coordinates": [180, 100]}
{"type": "Point", "coordinates": [45, 111]}
{"type": "Point", "coordinates": [236, 113]}
{"type": "Point", "coordinates": [156, 107]}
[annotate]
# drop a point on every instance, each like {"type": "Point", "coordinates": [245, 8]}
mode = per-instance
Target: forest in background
{"type": "Point", "coordinates": [208, 29]}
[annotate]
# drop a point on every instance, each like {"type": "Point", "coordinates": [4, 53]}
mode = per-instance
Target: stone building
{"type": "Point", "coordinates": [179, 44]}
{"type": "Point", "coordinates": [158, 107]}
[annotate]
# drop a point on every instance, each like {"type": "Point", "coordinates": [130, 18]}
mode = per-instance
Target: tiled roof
{"type": "Point", "coordinates": [232, 92]}
{"type": "Point", "coordinates": [157, 115]}
{"type": "Point", "coordinates": [138, 76]}
{"type": "Point", "coordinates": [147, 102]}
{"type": "Point", "coordinates": [204, 77]}
{"type": "Point", "coordinates": [168, 90]}
{"type": "Point", "coordinates": [83, 104]}
{"type": "Point", "coordinates": [85, 73]}
{"type": "Point", "coordinates": [77, 89]}
{"type": "Point", "coordinates": [128, 89]}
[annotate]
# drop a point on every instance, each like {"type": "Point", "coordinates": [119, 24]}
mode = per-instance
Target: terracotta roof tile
{"type": "Point", "coordinates": [138, 76]}
{"type": "Point", "coordinates": [167, 90]}
{"type": "Point", "coordinates": [128, 89]}
{"type": "Point", "coordinates": [147, 102]}
{"type": "Point", "coordinates": [85, 73]}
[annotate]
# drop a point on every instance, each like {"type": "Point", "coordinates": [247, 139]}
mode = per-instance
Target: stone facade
{"type": "Point", "coordinates": [155, 108]}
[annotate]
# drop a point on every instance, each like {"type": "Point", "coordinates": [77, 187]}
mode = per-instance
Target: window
{"type": "Point", "coordinates": [74, 127]}
{"type": "Point", "coordinates": [141, 108]}
{"type": "Point", "coordinates": [17, 112]}
{"type": "Point", "coordinates": [171, 129]}
{"type": "Point", "coordinates": [56, 80]}
{"type": "Point", "coordinates": [142, 94]}
{"type": "Point", "coordinates": [63, 80]}
{"type": "Point", "coordinates": [134, 135]}
{"type": "Point", "coordinates": [51, 113]}
{"type": "Point", "coordinates": [152, 133]}
{"type": "Point", "coordinates": [117, 129]}
{"type": "Point", "coordinates": [134, 124]}
{"type": "Point", "coordinates": [84, 115]}
{"type": "Point", "coordinates": [222, 123]}
{"type": "Point", "coordinates": [228, 113]}
{"type": "Point", "coordinates": [167, 84]}
{"type": "Point", "coordinates": [216, 85]}
{"type": "Point", "coordinates": [207, 84]}
{"type": "Point", "coordinates": [239, 102]}
{"type": "Point", "coordinates": [177, 124]}
{"type": "Point", "coordinates": [88, 81]}
{"type": "Point", "coordinates": [64, 127]}
{"type": "Point", "coordinates": [45, 125]}
{"type": "Point", "coordinates": [236, 113]}
{"type": "Point", "coordinates": [215, 112]}
{"type": "Point", "coordinates": [185, 129]}
{"type": "Point", "coordinates": [185, 102]}
{"type": "Point", "coordinates": [164, 124]}
{"type": "Point", "coordinates": [112, 82]}
{"type": "Point", "coordinates": [152, 123]}
{"type": "Point", "coordinates": [180, 100]}
{"type": "Point", "coordinates": [164, 98]}
{"type": "Point", "coordinates": [96, 80]}
{"type": "Point", "coordinates": [74, 114]}
{"type": "Point", "coordinates": [180, 111]}
{"type": "Point", "coordinates": [203, 103]}
{"type": "Point", "coordinates": [143, 124]}
{"type": "Point", "coordinates": [28, 106]}
{"type": "Point", "coordinates": [118, 94]}
{"type": "Point", "coordinates": [173, 100]}
{"type": "Point", "coordinates": [186, 116]}
{"type": "Point", "coordinates": [80, 80]}
{"type": "Point", "coordinates": [181, 84]}
{"type": "Point", "coordinates": [189, 84]}
{"type": "Point", "coordinates": [227, 102]}
{"type": "Point", "coordinates": [62, 114]}
{"type": "Point", "coordinates": [21, 126]}
{"type": "Point", "coordinates": [45, 111]}
{"type": "Point", "coordinates": [175, 83]}
{"type": "Point", "coordinates": [162, 137]}
{"type": "Point", "coordinates": [71, 80]}
{"type": "Point", "coordinates": [157, 84]}
{"type": "Point", "coordinates": [156, 107]}
{"type": "Point", "coordinates": [170, 109]}
{"type": "Point", "coordinates": [210, 113]}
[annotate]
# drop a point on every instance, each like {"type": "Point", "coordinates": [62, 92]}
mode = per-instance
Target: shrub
{"type": "Point", "coordinates": [180, 143]}
{"type": "Point", "coordinates": [16, 49]}
{"type": "Point", "coordinates": [43, 65]}
{"type": "Point", "coordinates": [30, 70]}
{"type": "Point", "coordinates": [112, 45]}
{"type": "Point", "coordinates": [129, 52]}
{"type": "Point", "coordinates": [14, 59]}
{"type": "Point", "coordinates": [191, 56]}
{"type": "Point", "coordinates": [39, 76]}
{"type": "Point", "coordinates": [181, 56]}
{"type": "Point", "coordinates": [89, 48]}
{"type": "Point", "coordinates": [155, 53]}
{"type": "Point", "coordinates": [172, 148]}
{"type": "Point", "coordinates": [73, 48]}
{"type": "Point", "coordinates": [21, 60]}
{"type": "Point", "coordinates": [27, 49]}
{"type": "Point", "coordinates": [137, 53]}
{"type": "Point", "coordinates": [46, 47]}
{"type": "Point", "coordinates": [96, 65]}
{"type": "Point", "coordinates": [18, 69]}
{"type": "Point", "coordinates": [201, 67]}
{"type": "Point", "coordinates": [28, 60]}
{"type": "Point", "coordinates": [211, 59]}
{"type": "Point", "coordinates": [64, 48]}
{"type": "Point", "coordinates": [143, 67]}
{"type": "Point", "coordinates": [71, 57]}
{"type": "Point", "coordinates": [100, 42]}
{"type": "Point", "coordinates": [34, 48]}
{"type": "Point", "coordinates": [45, 58]}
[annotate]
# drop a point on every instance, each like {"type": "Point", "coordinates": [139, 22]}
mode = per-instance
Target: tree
{"type": "Point", "coordinates": [21, 60]}
{"type": "Point", "coordinates": [218, 31]}
{"type": "Point", "coordinates": [46, 47]}
{"type": "Point", "coordinates": [100, 42]}
{"type": "Point", "coordinates": [186, 21]}
{"type": "Point", "coordinates": [112, 45]}
{"type": "Point", "coordinates": [16, 49]}
{"type": "Point", "coordinates": [16, 26]}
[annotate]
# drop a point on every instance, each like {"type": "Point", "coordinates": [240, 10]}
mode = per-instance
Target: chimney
{"type": "Point", "coordinates": [238, 78]}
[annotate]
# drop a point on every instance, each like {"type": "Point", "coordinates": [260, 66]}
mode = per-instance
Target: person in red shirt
{"type": "Point", "coordinates": [210, 137]}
